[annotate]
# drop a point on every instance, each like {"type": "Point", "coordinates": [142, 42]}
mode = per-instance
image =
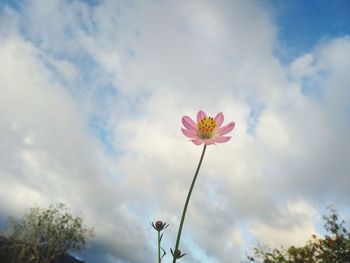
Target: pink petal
{"type": "Point", "coordinates": [222, 139]}
{"type": "Point", "coordinates": [219, 119]}
{"type": "Point", "coordinates": [189, 133]}
{"type": "Point", "coordinates": [200, 115]}
{"type": "Point", "coordinates": [226, 129]}
{"type": "Point", "coordinates": [209, 141]}
{"type": "Point", "coordinates": [189, 123]}
{"type": "Point", "coordinates": [197, 141]}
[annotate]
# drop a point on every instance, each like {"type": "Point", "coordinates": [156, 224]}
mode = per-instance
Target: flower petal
{"type": "Point", "coordinates": [189, 123]}
{"type": "Point", "coordinates": [222, 139]}
{"type": "Point", "coordinates": [209, 141]}
{"type": "Point", "coordinates": [219, 119]}
{"type": "Point", "coordinates": [226, 129]}
{"type": "Point", "coordinates": [200, 115]}
{"type": "Point", "coordinates": [189, 133]}
{"type": "Point", "coordinates": [197, 141]}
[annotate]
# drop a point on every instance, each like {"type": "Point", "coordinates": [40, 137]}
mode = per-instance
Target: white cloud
{"type": "Point", "coordinates": [294, 226]}
{"type": "Point", "coordinates": [302, 66]}
{"type": "Point", "coordinates": [47, 155]}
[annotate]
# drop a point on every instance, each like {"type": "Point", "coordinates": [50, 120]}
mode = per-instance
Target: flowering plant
{"type": "Point", "coordinates": [207, 131]}
{"type": "Point", "coordinates": [160, 226]}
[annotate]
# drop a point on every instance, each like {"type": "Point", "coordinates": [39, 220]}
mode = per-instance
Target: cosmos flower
{"type": "Point", "coordinates": [207, 130]}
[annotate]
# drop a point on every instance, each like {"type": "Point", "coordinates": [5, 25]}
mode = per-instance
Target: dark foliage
{"type": "Point", "coordinates": [43, 236]}
{"type": "Point", "coordinates": [7, 257]}
{"type": "Point", "coordinates": [333, 248]}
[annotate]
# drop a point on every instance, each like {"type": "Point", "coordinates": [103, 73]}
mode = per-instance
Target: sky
{"type": "Point", "coordinates": [91, 99]}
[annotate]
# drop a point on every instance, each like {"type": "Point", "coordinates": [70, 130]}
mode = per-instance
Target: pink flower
{"type": "Point", "coordinates": [207, 130]}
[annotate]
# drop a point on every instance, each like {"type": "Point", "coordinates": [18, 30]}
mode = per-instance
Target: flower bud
{"type": "Point", "coordinates": [159, 225]}
{"type": "Point", "coordinates": [177, 254]}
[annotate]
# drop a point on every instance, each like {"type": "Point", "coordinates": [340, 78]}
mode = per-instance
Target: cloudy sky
{"type": "Point", "coordinates": [91, 99]}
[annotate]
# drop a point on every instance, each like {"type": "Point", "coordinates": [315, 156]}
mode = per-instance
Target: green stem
{"type": "Point", "coordinates": [159, 259]}
{"type": "Point", "coordinates": [186, 204]}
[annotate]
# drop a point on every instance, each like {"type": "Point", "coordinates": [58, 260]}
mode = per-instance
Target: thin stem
{"type": "Point", "coordinates": [186, 204]}
{"type": "Point", "coordinates": [159, 258]}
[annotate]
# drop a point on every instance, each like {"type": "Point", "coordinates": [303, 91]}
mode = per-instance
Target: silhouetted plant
{"type": "Point", "coordinates": [333, 248]}
{"type": "Point", "coordinates": [42, 235]}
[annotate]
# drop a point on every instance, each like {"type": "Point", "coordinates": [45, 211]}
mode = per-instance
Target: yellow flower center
{"type": "Point", "coordinates": [206, 128]}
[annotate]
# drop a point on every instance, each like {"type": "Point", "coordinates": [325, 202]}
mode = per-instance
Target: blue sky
{"type": "Point", "coordinates": [303, 24]}
{"type": "Point", "coordinates": [91, 100]}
